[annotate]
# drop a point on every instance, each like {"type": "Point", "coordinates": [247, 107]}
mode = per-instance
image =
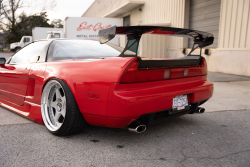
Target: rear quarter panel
{"type": "Point", "coordinates": [88, 76]}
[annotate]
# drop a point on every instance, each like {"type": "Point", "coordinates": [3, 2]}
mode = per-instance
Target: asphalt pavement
{"type": "Point", "coordinates": [6, 55]}
{"type": "Point", "coordinates": [210, 139]}
{"type": "Point", "coordinates": [219, 137]}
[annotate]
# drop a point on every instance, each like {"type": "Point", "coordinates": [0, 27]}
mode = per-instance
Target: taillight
{"type": "Point", "coordinates": [149, 75]}
{"type": "Point", "coordinates": [134, 75]}
{"type": "Point", "coordinates": [204, 66]}
{"type": "Point", "coordinates": [129, 75]}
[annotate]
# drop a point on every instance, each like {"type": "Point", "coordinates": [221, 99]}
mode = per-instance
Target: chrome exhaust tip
{"type": "Point", "coordinates": [200, 110]}
{"type": "Point", "coordinates": [138, 129]}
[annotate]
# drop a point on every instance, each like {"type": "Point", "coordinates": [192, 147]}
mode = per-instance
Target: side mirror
{"type": "Point", "coordinates": [2, 61]}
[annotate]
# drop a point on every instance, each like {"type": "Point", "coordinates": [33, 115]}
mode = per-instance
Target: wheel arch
{"type": "Point", "coordinates": [64, 80]}
{"type": "Point", "coordinates": [16, 48]}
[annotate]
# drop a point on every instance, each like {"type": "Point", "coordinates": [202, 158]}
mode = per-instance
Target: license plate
{"type": "Point", "coordinates": [179, 102]}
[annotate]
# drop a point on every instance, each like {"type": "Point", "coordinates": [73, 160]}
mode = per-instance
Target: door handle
{"type": "Point", "coordinates": [38, 58]}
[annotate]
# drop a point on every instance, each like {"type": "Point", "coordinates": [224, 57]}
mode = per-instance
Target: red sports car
{"type": "Point", "coordinates": [65, 83]}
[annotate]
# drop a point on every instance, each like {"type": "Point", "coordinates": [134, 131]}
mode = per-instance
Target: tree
{"type": "Point", "coordinates": [25, 24]}
{"type": "Point", "coordinates": [8, 13]}
{"type": "Point", "coordinates": [1, 15]}
{"type": "Point", "coordinates": [57, 23]}
{"type": "Point", "coordinates": [14, 26]}
{"type": "Point", "coordinates": [9, 9]}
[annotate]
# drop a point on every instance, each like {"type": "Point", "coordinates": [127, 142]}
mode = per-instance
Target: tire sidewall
{"type": "Point", "coordinates": [72, 110]}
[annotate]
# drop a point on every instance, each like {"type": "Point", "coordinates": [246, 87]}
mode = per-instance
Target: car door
{"type": "Point", "coordinates": [14, 76]}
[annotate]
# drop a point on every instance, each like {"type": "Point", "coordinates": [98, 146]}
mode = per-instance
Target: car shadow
{"type": "Point", "coordinates": [97, 134]}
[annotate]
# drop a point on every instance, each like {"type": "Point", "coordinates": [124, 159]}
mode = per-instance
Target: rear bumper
{"type": "Point", "coordinates": [129, 102]}
{"type": "Point", "coordinates": [145, 119]}
{"type": "Point", "coordinates": [134, 100]}
{"type": "Point", "coordinates": [156, 117]}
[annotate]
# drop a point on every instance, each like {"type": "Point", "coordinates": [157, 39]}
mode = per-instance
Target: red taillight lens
{"type": "Point", "coordinates": [149, 75]}
{"type": "Point", "coordinates": [130, 74]}
{"type": "Point", "coordinates": [204, 66]}
{"type": "Point", "coordinates": [134, 75]}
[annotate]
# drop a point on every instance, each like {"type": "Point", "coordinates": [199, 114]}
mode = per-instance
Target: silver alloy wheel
{"type": "Point", "coordinates": [53, 105]}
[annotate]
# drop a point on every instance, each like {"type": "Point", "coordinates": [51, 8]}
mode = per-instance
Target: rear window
{"type": "Point", "coordinates": [83, 49]}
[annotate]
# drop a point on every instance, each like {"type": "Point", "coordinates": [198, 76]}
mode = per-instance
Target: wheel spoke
{"type": "Point", "coordinates": [53, 104]}
{"type": "Point", "coordinates": [63, 112]}
{"type": "Point", "coordinates": [63, 98]}
{"type": "Point", "coordinates": [58, 94]}
{"type": "Point", "coordinates": [57, 116]}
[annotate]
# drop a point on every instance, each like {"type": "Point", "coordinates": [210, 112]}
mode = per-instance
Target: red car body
{"type": "Point", "coordinates": [96, 85]}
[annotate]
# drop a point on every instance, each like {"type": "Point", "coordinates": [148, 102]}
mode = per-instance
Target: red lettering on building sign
{"type": "Point", "coordinates": [96, 27]}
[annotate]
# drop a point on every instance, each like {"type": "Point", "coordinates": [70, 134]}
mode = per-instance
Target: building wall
{"type": "Point", "coordinates": [234, 24]}
{"type": "Point", "coordinates": [164, 12]}
{"type": "Point", "coordinates": [233, 53]}
{"type": "Point", "coordinates": [160, 12]}
{"type": "Point", "coordinates": [205, 16]}
{"type": "Point", "coordinates": [101, 7]}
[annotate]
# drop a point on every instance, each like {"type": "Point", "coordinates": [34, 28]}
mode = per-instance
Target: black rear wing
{"type": "Point", "coordinates": [134, 33]}
{"type": "Point", "coordinates": [201, 39]}
{"type": "Point", "coordinates": [182, 61]}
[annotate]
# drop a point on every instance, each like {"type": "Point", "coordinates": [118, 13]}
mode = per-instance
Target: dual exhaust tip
{"type": "Point", "coordinates": [142, 128]}
{"type": "Point", "coordinates": [138, 129]}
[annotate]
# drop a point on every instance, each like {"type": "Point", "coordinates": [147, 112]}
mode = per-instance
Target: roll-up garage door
{"type": "Point", "coordinates": [205, 16]}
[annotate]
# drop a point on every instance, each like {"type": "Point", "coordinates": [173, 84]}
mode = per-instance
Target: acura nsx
{"type": "Point", "coordinates": [65, 83]}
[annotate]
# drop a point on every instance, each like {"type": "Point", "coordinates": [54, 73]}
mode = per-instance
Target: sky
{"type": "Point", "coordinates": [69, 8]}
{"type": "Point", "coordinates": [64, 8]}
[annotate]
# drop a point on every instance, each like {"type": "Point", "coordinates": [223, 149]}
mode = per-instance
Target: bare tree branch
{"type": "Point", "coordinates": [42, 5]}
{"type": "Point", "coordinates": [9, 9]}
{"type": "Point", "coordinates": [11, 18]}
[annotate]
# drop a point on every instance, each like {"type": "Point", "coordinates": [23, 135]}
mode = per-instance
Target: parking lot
{"type": "Point", "coordinates": [219, 137]}
{"type": "Point", "coordinates": [6, 55]}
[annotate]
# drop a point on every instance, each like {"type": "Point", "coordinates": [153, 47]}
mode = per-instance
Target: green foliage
{"type": "Point", "coordinates": [24, 26]}
{"type": "Point", "coordinates": [57, 23]}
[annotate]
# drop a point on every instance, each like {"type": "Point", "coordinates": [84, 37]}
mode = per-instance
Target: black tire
{"type": "Point", "coordinates": [73, 121]}
{"type": "Point", "coordinates": [17, 49]}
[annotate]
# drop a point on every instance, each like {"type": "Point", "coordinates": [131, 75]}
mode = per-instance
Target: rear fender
{"type": "Point", "coordinates": [89, 80]}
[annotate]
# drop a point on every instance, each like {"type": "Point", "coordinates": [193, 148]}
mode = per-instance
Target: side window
{"type": "Point", "coordinates": [56, 35]}
{"type": "Point", "coordinates": [26, 40]}
{"type": "Point", "coordinates": [28, 54]}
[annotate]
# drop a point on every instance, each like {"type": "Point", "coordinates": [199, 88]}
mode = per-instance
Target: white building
{"type": "Point", "coordinates": [228, 20]}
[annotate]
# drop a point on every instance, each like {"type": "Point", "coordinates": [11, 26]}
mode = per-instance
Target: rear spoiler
{"type": "Point", "coordinates": [201, 39]}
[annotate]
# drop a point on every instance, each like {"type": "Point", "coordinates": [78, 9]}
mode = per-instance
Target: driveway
{"type": "Point", "coordinates": [6, 55]}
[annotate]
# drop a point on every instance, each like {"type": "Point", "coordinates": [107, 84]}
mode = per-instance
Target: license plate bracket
{"type": "Point", "coordinates": [180, 103]}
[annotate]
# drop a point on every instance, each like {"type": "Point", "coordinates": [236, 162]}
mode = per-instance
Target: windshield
{"type": "Point", "coordinates": [83, 49]}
